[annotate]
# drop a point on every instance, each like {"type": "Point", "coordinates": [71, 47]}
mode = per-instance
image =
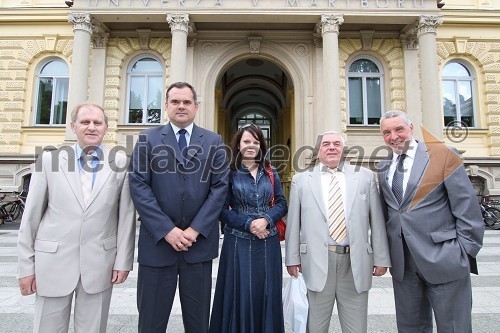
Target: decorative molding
{"type": "Point", "coordinates": [100, 40]}
{"type": "Point", "coordinates": [50, 41]}
{"type": "Point", "coordinates": [367, 38]}
{"type": "Point", "coordinates": [409, 40]}
{"type": "Point", "coordinates": [428, 24]}
{"type": "Point", "coordinates": [254, 44]}
{"type": "Point", "coordinates": [81, 21]}
{"type": "Point", "coordinates": [191, 41]}
{"type": "Point", "coordinates": [179, 22]}
{"type": "Point", "coordinates": [460, 44]}
{"type": "Point", "coordinates": [317, 40]}
{"type": "Point", "coordinates": [331, 23]}
{"type": "Point", "coordinates": [144, 35]}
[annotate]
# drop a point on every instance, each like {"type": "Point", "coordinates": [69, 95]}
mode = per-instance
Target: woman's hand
{"type": "Point", "coordinates": [258, 227]}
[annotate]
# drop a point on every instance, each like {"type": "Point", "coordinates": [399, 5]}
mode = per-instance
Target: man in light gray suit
{"type": "Point", "coordinates": [332, 208]}
{"type": "Point", "coordinates": [78, 231]}
{"type": "Point", "coordinates": [434, 227]}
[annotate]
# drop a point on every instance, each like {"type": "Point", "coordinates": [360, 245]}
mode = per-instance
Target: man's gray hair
{"type": "Point", "coordinates": [394, 114]}
{"type": "Point", "coordinates": [314, 157]}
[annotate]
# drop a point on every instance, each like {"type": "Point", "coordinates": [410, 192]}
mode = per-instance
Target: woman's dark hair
{"type": "Point", "coordinates": [236, 153]}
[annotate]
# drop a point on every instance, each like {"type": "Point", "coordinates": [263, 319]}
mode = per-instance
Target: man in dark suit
{"type": "Point", "coordinates": [434, 227]}
{"type": "Point", "coordinates": [178, 183]}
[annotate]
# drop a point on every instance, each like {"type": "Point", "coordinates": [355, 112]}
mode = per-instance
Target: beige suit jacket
{"type": "Point", "coordinates": [307, 227]}
{"type": "Point", "coordinates": [60, 240]}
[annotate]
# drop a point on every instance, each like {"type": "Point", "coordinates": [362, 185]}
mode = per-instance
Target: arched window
{"type": "Point", "coordinates": [365, 91]}
{"type": "Point", "coordinates": [145, 82]}
{"type": "Point", "coordinates": [52, 82]}
{"type": "Point", "coordinates": [458, 97]}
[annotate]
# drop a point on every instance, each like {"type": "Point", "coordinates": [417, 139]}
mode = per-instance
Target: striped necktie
{"type": "Point", "coordinates": [87, 177]}
{"type": "Point", "coordinates": [336, 214]}
{"type": "Point", "coordinates": [397, 178]}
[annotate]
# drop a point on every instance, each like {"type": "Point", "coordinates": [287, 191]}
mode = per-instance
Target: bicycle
{"type": "Point", "coordinates": [491, 215]}
{"type": "Point", "coordinates": [10, 211]}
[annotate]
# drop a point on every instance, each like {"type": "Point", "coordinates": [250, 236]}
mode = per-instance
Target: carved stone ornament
{"type": "Point", "coordinates": [100, 40]}
{"type": "Point", "coordinates": [331, 23]}
{"type": "Point", "coordinates": [254, 44]}
{"type": "Point", "coordinates": [179, 22]}
{"type": "Point", "coordinates": [191, 41]}
{"type": "Point", "coordinates": [81, 21]}
{"type": "Point", "coordinates": [428, 24]}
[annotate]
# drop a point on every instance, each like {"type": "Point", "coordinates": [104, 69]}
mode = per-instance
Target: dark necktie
{"type": "Point", "coordinates": [182, 143]}
{"type": "Point", "coordinates": [397, 179]}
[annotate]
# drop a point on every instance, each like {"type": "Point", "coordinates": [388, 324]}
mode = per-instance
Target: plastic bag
{"type": "Point", "coordinates": [295, 304]}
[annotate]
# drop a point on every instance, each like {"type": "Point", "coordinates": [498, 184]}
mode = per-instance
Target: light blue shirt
{"type": "Point", "coordinates": [97, 156]}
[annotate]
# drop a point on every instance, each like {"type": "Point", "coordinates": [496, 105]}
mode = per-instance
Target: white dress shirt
{"type": "Point", "coordinates": [407, 164]}
{"type": "Point", "coordinates": [188, 129]}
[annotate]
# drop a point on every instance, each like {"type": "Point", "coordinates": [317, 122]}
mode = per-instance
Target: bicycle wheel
{"type": "Point", "coordinates": [492, 217]}
{"type": "Point", "coordinates": [15, 212]}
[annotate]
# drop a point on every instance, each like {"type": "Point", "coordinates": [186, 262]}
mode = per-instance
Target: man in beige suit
{"type": "Point", "coordinates": [332, 208]}
{"type": "Point", "coordinates": [78, 231]}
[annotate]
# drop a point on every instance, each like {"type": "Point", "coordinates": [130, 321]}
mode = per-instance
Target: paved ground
{"type": "Point", "coordinates": [16, 312]}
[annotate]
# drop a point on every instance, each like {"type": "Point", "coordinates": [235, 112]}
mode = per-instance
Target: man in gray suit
{"type": "Point", "coordinates": [332, 208]}
{"type": "Point", "coordinates": [434, 227]}
{"type": "Point", "coordinates": [77, 234]}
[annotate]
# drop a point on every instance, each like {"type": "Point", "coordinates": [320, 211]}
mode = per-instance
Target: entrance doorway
{"type": "Point", "coordinates": [257, 90]}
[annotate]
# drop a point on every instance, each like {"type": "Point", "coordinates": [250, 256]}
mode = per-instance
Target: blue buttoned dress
{"type": "Point", "coordinates": [249, 281]}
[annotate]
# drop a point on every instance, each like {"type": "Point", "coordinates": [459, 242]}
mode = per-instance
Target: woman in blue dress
{"type": "Point", "coordinates": [248, 290]}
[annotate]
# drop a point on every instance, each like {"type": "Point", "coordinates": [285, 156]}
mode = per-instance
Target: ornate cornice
{"type": "Point", "coordinates": [179, 22]}
{"type": "Point", "coordinates": [81, 21]}
{"type": "Point", "coordinates": [331, 23]}
{"type": "Point", "coordinates": [428, 24]}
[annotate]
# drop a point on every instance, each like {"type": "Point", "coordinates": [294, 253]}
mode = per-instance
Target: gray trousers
{"type": "Point", "coordinates": [416, 298]}
{"type": "Point", "coordinates": [352, 307]}
{"type": "Point", "coordinates": [91, 311]}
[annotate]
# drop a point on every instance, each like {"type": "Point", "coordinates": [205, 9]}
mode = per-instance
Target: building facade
{"type": "Point", "coordinates": [295, 67]}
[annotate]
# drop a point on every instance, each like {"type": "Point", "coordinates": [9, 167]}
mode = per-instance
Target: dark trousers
{"type": "Point", "coordinates": [156, 287]}
{"type": "Point", "coordinates": [416, 298]}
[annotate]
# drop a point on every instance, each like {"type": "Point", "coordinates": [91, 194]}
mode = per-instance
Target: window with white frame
{"type": "Point", "coordinates": [458, 97]}
{"type": "Point", "coordinates": [51, 101]}
{"type": "Point", "coordinates": [364, 91]}
{"type": "Point", "coordinates": [145, 82]}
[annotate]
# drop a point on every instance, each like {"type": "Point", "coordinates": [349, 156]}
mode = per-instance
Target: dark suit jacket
{"type": "Point", "coordinates": [439, 216]}
{"type": "Point", "coordinates": [168, 194]}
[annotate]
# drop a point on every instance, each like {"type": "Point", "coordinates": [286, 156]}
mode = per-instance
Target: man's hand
{"type": "Point", "coordinates": [27, 285]}
{"type": "Point", "coordinates": [179, 239]}
{"type": "Point", "coordinates": [119, 277]}
{"type": "Point", "coordinates": [191, 234]}
{"type": "Point", "coordinates": [258, 227]}
{"type": "Point", "coordinates": [379, 271]}
{"type": "Point", "coordinates": [294, 270]}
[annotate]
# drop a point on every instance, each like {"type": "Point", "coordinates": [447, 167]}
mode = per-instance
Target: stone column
{"type": "Point", "coordinates": [432, 117]}
{"type": "Point", "coordinates": [330, 115]}
{"type": "Point", "coordinates": [78, 82]}
{"type": "Point", "coordinates": [179, 26]}
{"type": "Point", "coordinates": [412, 81]}
{"type": "Point", "coordinates": [98, 74]}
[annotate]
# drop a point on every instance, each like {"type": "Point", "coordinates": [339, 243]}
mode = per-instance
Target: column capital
{"type": "Point", "coordinates": [100, 40]}
{"type": "Point", "coordinates": [81, 21]}
{"type": "Point", "coordinates": [331, 23]}
{"type": "Point", "coordinates": [179, 22]}
{"type": "Point", "coordinates": [428, 24]}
